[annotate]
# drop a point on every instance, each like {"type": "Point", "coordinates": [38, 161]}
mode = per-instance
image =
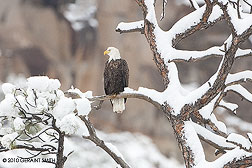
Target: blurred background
{"type": "Point", "coordinates": [65, 39]}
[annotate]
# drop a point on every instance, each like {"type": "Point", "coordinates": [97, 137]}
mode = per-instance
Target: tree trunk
{"type": "Point", "coordinates": [60, 156]}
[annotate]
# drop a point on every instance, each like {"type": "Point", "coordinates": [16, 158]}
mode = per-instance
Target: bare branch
{"type": "Point", "coordinates": [95, 139]}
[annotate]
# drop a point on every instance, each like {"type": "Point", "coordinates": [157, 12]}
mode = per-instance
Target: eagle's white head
{"type": "Point", "coordinates": [113, 53]}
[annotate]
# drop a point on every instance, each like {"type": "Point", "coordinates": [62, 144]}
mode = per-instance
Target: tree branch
{"type": "Point", "coordinates": [241, 91]}
{"type": "Point", "coordinates": [228, 106]}
{"type": "Point", "coordinates": [128, 95]}
{"type": "Point", "coordinates": [95, 139]}
{"type": "Point", "coordinates": [136, 95]}
{"type": "Point", "coordinates": [240, 77]}
{"type": "Point", "coordinates": [130, 27]}
{"type": "Point", "coordinates": [212, 139]}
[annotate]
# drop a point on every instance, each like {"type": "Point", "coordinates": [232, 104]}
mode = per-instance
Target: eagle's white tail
{"type": "Point", "coordinates": [118, 105]}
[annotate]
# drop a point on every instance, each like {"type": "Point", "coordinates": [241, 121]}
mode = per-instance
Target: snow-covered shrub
{"type": "Point", "coordinates": [37, 112]}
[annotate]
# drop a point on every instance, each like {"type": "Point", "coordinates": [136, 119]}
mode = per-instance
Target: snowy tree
{"type": "Point", "coordinates": [191, 113]}
{"type": "Point", "coordinates": [37, 116]}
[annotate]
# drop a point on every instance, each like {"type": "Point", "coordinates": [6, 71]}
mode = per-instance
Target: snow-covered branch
{"type": "Point", "coordinates": [241, 91]}
{"type": "Point", "coordinates": [150, 95]}
{"type": "Point", "coordinates": [217, 141]}
{"type": "Point", "coordinates": [202, 18]}
{"type": "Point", "coordinates": [216, 51]}
{"type": "Point", "coordinates": [130, 27]}
{"type": "Point", "coordinates": [240, 77]}
{"type": "Point", "coordinates": [240, 141]}
{"type": "Point", "coordinates": [243, 53]}
{"type": "Point", "coordinates": [229, 106]}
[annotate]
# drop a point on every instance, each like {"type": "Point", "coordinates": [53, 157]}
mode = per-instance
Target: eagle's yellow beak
{"type": "Point", "coordinates": [106, 52]}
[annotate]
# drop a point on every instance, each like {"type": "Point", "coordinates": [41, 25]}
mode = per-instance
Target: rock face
{"type": "Point", "coordinates": [36, 39]}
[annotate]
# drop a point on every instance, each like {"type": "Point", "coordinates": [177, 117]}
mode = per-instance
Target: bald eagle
{"type": "Point", "coordinates": [116, 77]}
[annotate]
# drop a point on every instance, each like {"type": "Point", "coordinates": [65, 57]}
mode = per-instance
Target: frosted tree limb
{"type": "Point", "coordinates": [243, 53]}
{"type": "Point", "coordinates": [130, 27]}
{"type": "Point", "coordinates": [122, 95]}
{"type": "Point", "coordinates": [229, 106]}
{"type": "Point", "coordinates": [197, 118]}
{"type": "Point", "coordinates": [216, 51]}
{"type": "Point", "coordinates": [196, 23]}
{"type": "Point", "coordinates": [240, 141]}
{"type": "Point", "coordinates": [214, 140]}
{"type": "Point", "coordinates": [240, 77]}
{"type": "Point", "coordinates": [241, 91]}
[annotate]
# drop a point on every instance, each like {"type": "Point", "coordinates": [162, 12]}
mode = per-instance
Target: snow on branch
{"type": "Point", "coordinates": [229, 106]}
{"type": "Point", "coordinates": [150, 95]}
{"type": "Point", "coordinates": [234, 147]}
{"type": "Point", "coordinates": [239, 77]}
{"type": "Point", "coordinates": [232, 156]}
{"type": "Point", "coordinates": [217, 51]}
{"type": "Point", "coordinates": [243, 53]}
{"type": "Point", "coordinates": [241, 91]}
{"type": "Point", "coordinates": [193, 22]}
{"type": "Point", "coordinates": [193, 142]}
{"type": "Point", "coordinates": [240, 141]}
{"type": "Point", "coordinates": [214, 140]}
{"type": "Point", "coordinates": [130, 27]}
{"type": "Point", "coordinates": [241, 21]}
{"type": "Point", "coordinates": [202, 18]}
{"type": "Point", "coordinates": [192, 56]}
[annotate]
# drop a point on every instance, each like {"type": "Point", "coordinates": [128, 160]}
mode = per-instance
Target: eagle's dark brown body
{"type": "Point", "coordinates": [116, 76]}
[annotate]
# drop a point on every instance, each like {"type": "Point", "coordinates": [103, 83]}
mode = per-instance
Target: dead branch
{"type": "Point", "coordinates": [96, 140]}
